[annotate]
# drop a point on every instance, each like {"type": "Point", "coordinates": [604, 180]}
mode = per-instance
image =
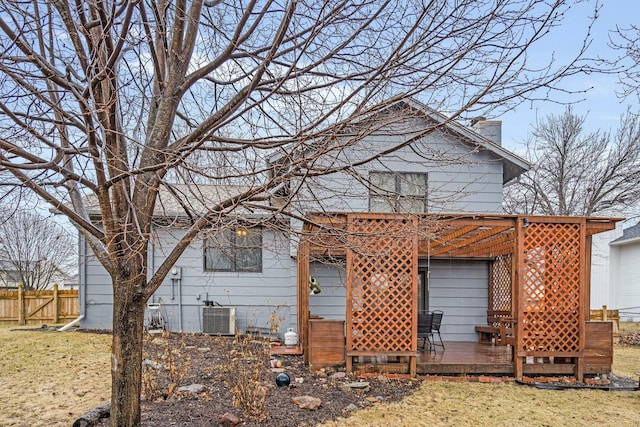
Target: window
{"type": "Point", "coordinates": [398, 192]}
{"type": "Point", "coordinates": [238, 249]}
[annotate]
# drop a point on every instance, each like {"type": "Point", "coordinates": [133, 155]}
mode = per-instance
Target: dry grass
{"type": "Point", "coordinates": [626, 359]}
{"type": "Point", "coordinates": [439, 403]}
{"type": "Point", "coordinates": [50, 378]}
{"type": "Point", "coordinates": [507, 404]}
{"type": "Point", "coordinates": [629, 327]}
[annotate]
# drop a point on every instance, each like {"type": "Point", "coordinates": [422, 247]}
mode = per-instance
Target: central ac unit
{"type": "Point", "coordinates": [219, 320]}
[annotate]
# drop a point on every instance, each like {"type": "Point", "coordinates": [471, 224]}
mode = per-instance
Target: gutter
{"type": "Point", "coordinates": [626, 241]}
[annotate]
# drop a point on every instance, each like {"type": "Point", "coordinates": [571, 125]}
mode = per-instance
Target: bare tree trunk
{"type": "Point", "coordinates": [126, 353]}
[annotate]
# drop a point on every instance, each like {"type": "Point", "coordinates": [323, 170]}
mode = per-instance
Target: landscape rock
{"type": "Point", "coordinates": [358, 385]}
{"type": "Point", "coordinates": [307, 402]}
{"type": "Point", "coordinates": [151, 364]}
{"type": "Point", "coordinates": [229, 419]}
{"type": "Point", "coordinates": [193, 388]}
{"type": "Point", "coordinates": [631, 338]}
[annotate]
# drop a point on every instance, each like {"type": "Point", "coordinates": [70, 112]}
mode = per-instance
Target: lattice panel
{"type": "Point", "coordinates": [550, 293]}
{"type": "Point", "coordinates": [500, 292]}
{"type": "Point", "coordinates": [381, 281]}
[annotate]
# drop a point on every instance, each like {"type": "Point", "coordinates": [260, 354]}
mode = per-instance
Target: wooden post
{"type": "Point", "coordinates": [519, 367]}
{"type": "Point", "coordinates": [303, 294]}
{"type": "Point", "coordinates": [56, 313]}
{"type": "Point", "coordinates": [587, 287]}
{"type": "Point", "coordinates": [580, 369]}
{"type": "Point", "coordinates": [604, 313]}
{"type": "Point", "coordinates": [413, 366]}
{"type": "Point", "coordinates": [21, 319]}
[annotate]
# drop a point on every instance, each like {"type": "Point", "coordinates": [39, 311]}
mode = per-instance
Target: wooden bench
{"type": "Point", "coordinates": [488, 333]}
{"type": "Point", "coordinates": [499, 335]}
{"type": "Point", "coordinates": [507, 332]}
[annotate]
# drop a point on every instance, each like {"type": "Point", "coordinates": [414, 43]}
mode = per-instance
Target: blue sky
{"type": "Point", "coordinates": [601, 104]}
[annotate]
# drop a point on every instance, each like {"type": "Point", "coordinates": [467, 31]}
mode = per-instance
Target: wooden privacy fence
{"type": "Point", "coordinates": [607, 316]}
{"type": "Point", "coordinates": [38, 307]}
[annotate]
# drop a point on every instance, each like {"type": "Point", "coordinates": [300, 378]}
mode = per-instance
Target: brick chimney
{"type": "Point", "coordinates": [490, 129]}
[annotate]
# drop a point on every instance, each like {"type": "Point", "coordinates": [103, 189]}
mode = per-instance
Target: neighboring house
{"type": "Point", "coordinates": [68, 281]}
{"type": "Point", "coordinates": [624, 286]}
{"type": "Point", "coordinates": [10, 276]}
{"type": "Point", "coordinates": [452, 169]}
{"type": "Point", "coordinates": [601, 290]}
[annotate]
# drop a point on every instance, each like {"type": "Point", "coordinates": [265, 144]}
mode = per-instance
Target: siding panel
{"type": "Point", "coordinates": [460, 289]}
{"type": "Point", "coordinates": [261, 299]}
{"type": "Point", "coordinates": [460, 179]}
{"type": "Point", "coordinates": [330, 303]}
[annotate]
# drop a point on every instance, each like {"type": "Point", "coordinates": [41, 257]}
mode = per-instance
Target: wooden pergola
{"type": "Point", "coordinates": [539, 276]}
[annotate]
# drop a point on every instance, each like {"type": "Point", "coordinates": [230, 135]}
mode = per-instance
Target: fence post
{"type": "Point", "coordinates": [56, 314]}
{"type": "Point", "coordinates": [21, 320]}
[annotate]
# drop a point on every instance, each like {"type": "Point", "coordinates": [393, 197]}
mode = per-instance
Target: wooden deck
{"type": "Point", "coordinates": [459, 358]}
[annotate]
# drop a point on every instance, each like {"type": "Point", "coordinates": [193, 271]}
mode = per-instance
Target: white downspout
{"type": "Point", "coordinates": [82, 285]}
{"type": "Point", "coordinates": [70, 324]}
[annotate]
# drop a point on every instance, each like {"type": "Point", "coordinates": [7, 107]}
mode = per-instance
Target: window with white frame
{"type": "Point", "coordinates": [238, 249]}
{"type": "Point", "coordinates": [398, 192]}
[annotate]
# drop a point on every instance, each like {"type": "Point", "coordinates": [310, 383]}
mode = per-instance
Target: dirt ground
{"type": "Point", "coordinates": [236, 378]}
{"type": "Point", "coordinates": [227, 369]}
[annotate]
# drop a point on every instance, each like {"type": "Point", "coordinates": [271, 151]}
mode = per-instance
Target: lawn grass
{"type": "Point", "coordinates": [50, 378]}
{"type": "Point", "coordinates": [626, 359]}
{"type": "Point", "coordinates": [440, 403]}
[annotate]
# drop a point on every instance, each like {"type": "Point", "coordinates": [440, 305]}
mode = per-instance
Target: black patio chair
{"type": "Point", "coordinates": [436, 321]}
{"type": "Point", "coordinates": [424, 330]}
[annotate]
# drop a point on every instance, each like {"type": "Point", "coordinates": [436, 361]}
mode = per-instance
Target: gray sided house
{"type": "Point", "coordinates": [443, 167]}
{"type": "Point", "coordinates": [624, 284]}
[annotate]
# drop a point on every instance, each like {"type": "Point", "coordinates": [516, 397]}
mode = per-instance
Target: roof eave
{"type": "Point", "coordinates": [619, 242]}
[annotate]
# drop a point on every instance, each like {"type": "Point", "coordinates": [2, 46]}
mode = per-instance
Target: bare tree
{"type": "Point", "coordinates": [626, 42]}
{"type": "Point", "coordinates": [117, 100]}
{"type": "Point", "coordinates": [35, 249]}
{"type": "Point", "coordinates": [576, 173]}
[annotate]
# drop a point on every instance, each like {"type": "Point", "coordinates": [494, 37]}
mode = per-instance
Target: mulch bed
{"type": "Point", "coordinates": [222, 363]}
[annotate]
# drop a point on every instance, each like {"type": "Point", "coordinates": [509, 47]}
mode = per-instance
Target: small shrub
{"type": "Point", "coordinates": [164, 368]}
{"type": "Point", "coordinates": [274, 322]}
{"type": "Point", "coordinates": [248, 375]}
